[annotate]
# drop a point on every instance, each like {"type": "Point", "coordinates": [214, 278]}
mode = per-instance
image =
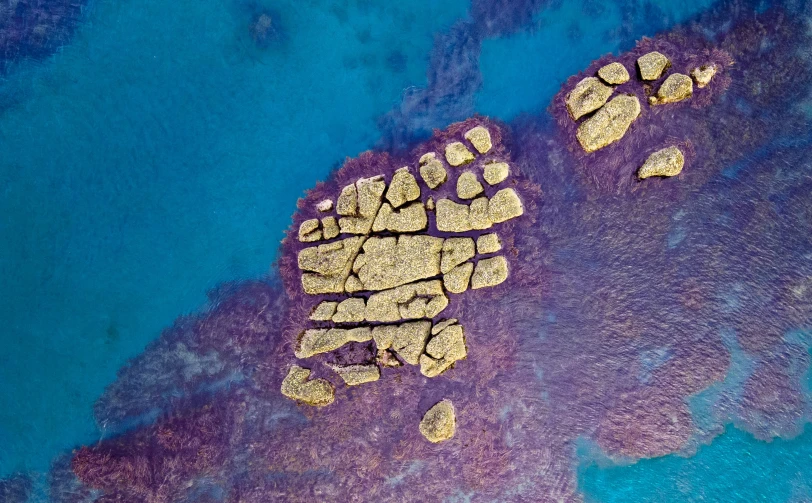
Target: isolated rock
{"type": "Point", "coordinates": [432, 170]}
{"type": "Point", "coordinates": [439, 423]}
{"type": "Point", "coordinates": [455, 252]}
{"type": "Point", "coordinates": [666, 162]}
{"type": "Point", "coordinates": [424, 299]}
{"type": "Point", "coordinates": [452, 217]}
{"type": "Point", "coordinates": [402, 189]}
{"type": "Point", "coordinates": [313, 392]}
{"type": "Point", "coordinates": [480, 138]}
{"type": "Point", "coordinates": [457, 154]}
{"type": "Point", "coordinates": [407, 339]}
{"type": "Point", "coordinates": [468, 187]}
{"type": "Point", "coordinates": [324, 311]}
{"type": "Point", "coordinates": [457, 279]}
{"type": "Point", "coordinates": [369, 192]}
{"type": "Point", "coordinates": [392, 261]}
{"type": "Point", "coordinates": [325, 205]}
{"type": "Point", "coordinates": [411, 218]}
{"type": "Point", "coordinates": [443, 350]}
{"type": "Point", "coordinates": [614, 73]}
{"type": "Point", "coordinates": [489, 272]}
{"type": "Point", "coordinates": [309, 231]}
{"type": "Point", "coordinates": [703, 75]}
{"type": "Point", "coordinates": [588, 95]}
{"type": "Point", "coordinates": [652, 65]}
{"type": "Point", "coordinates": [479, 214]}
{"type": "Point", "coordinates": [329, 227]}
{"type": "Point", "coordinates": [350, 311]}
{"type": "Point", "coordinates": [488, 243]}
{"type": "Point", "coordinates": [327, 266]}
{"type": "Point", "coordinates": [676, 87]}
{"type": "Point", "coordinates": [353, 375]}
{"type": "Point", "coordinates": [496, 172]}
{"type": "Point", "coordinates": [609, 124]}
{"type": "Point", "coordinates": [504, 205]}
{"type": "Point", "coordinates": [323, 340]}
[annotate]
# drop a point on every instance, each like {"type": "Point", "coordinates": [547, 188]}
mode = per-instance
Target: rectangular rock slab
{"type": "Point", "coordinates": [390, 262]}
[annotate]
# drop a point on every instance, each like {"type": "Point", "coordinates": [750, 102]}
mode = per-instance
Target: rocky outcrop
{"type": "Point", "coordinates": [392, 261]}
{"type": "Point", "coordinates": [439, 423]}
{"type": "Point", "coordinates": [614, 74]}
{"type": "Point", "coordinates": [703, 75]}
{"type": "Point", "coordinates": [480, 138]}
{"type": "Point", "coordinates": [425, 299]}
{"type": "Point", "coordinates": [676, 87]}
{"type": "Point", "coordinates": [317, 392]}
{"type": "Point", "coordinates": [652, 65]}
{"type": "Point", "coordinates": [402, 189]}
{"type": "Point", "coordinates": [588, 95]}
{"type": "Point", "coordinates": [457, 154]}
{"type": "Point", "coordinates": [666, 162]}
{"type": "Point", "coordinates": [609, 124]}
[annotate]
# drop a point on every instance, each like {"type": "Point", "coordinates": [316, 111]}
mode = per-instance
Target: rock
{"type": "Point", "coordinates": [504, 205]}
{"type": "Point", "coordinates": [489, 272]}
{"type": "Point", "coordinates": [325, 205]}
{"type": "Point", "coordinates": [587, 96]}
{"type": "Point", "coordinates": [488, 243]}
{"type": "Point", "coordinates": [432, 170]}
{"type": "Point", "coordinates": [354, 375]}
{"type": "Point", "coordinates": [614, 73]}
{"type": "Point", "coordinates": [452, 217]}
{"type": "Point", "coordinates": [411, 218]}
{"type": "Point", "coordinates": [369, 191]}
{"type": "Point", "coordinates": [480, 138]}
{"type": "Point", "coordinates": [347, 201]}
{"type": "Point", "coordinates": [676, 87]}
{"type": "Point", "coordinates": [609, 124]}
{"type": "Point", "coordinates": [402, 189]}
{"type": "Point", "coordinates": [315, 341]}
{"type": "Point", "coordinates": [439, 423]}
{"type": "Point", "coordinates": [313, 392]}
{"type": "Point", "coordinates": [455, 252]}
{"type": "Point", "coordinates": [392, 261]}
{"type": "Point", "coordinates": [330, 227]}
{"type": "Point", "coordinates": [457, 154]}
{"type": "Point", "coordinates": [324, 311]}
{"type": "Point", "coordinates": [456, 280]}
{"type": "Point", "coordinates": [479, 215]}
{"type": "Point", "coordinates": [430, 204]}
{"type": "Point", "coordinates": [439, 327]}
{"type": "Point", "coordinates": [468, 187]}
{"type": "Point", "coordinates": [652, 65]}
{"type": "Point", "coordinates": [391, 305]}
{"type": "Point", "coordinates": [350, 311]}
{"type": "Point", "coordinates": [666, 162]}
{"type": "Point", "coordinates": [329, 265]}
{"type": "Point", "coordinates": [353, 284]}
{"type": "Point", "coordinates": [309, 231]}
{"type": "Point", "coordinates": [387, 358]}
{"type": "Point", "coordinates": [703, 75]}
{"type": "Point", "coordinates": [407, 339]}
{"type": "Point", "coordinates": [443, 350]}
{"type": "Point", "coordinates": [496, 172]}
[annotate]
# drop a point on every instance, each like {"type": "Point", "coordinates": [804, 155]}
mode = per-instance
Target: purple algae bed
{"type": "Point", "coordinates": [626, 301]}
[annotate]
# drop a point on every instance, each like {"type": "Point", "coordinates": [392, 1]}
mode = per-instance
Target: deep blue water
{"type": "Point", "coordinates": [162, 151]}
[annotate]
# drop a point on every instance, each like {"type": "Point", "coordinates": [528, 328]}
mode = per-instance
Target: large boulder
{"type": "Point", "coordinates": [609, 124]}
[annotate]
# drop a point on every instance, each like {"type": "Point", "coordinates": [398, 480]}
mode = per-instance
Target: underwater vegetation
{"type": "Point", "coordinates": [627, 300]}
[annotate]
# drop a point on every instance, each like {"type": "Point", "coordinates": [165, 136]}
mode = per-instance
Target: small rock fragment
{"type": "Point", "coordinates": [430, 204]}
{"type": "Point", "coordinates": [614, 73]}
{"type": "Point", "coordinates": [479, 215]}
{"type": "Point", "coordinates": [504, 205]}
{"type": "Point", "coordinates": [354, 375]}
{"type": "Point", "coordinates": [330, 227]}
{"type": "Point", "coordinates": [457, 154]}
{"type": "Point", "coordinates": [315, 341]}
{"type": "Point", "coordinates": [666, 162]}
{"type": "Point", "coordinates": [452, 217]}
{"type": "Point", "coordinates": [313, 392]}
{"type": "Point", "coordinates": [676, 87]}
{"type": "Point", "coordinates": [324, 311]}
{"type": "Point", "coordinates": [439, 327]}
{"type": "Point", "coordinates": [410, 218]}
{"type": "Point", "coordinates": [309, 231]}
{"type": "Point", "coordinates": [652, 65]}
{"type": "Point", "coordinates": [496, 172]}
{"type": "Point", "coordinates": [480, 138]}
{"type": "Point", "coordinates": [350, 311]}
{"type": "Point", "coordinates": [489, 272]}
{"type": "Point", "coordinates": [488, 243]}
{"type": "Point", "coordinates": [468, 187]}
{"type": "Point", "coordinates": [439, 423]}
{"type": "Point", "coordinates": [455, 252]}
{"type": "Point", "coordinates": [325, 205]}
{"type": "Point", "coordinates": [407, 339]}
{"type": "Point", "coordinates": [347, 201]}
{"type": "Point", "coordinates": [386, 306]}
{"type": "Point", "coordinates": [588, 95]}
{"type": "Point", "coordinates": [402, 189]}
{"type": "Point", "coordinates": [703, 75]}
{"type": "Point", "coordinates": [445, 348]}
{"type": "Point", "coordinates": [432, 170]}
{"type": "Point", "coordinates": [456, 280]}
{"type": "Point", "coordinates": [609, 124]}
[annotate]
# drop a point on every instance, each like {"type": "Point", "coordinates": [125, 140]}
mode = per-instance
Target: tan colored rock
{"type": "Point", "coordinates": [390, 305]}
{"type": "Point", "coordinates": [457, 154]}
{"type": "Point", "coordinates": [353, 375]}
{"type": "Point", "coordinates": [309, 231]}
{"type": "Point", "coordinates": [324, 311]}
{"type": "Point", "coordinates": [443, 350]}
{"type": "Point", "coordinates": [489, 272]}
{"type": "Point", "coordinates": [488, 243]}
{"type": "Point", "coordinates": [387, 358]}
{"type": "Point", "coordinates": [411, 218]}
{"type": "Point", "coordinates": [609, 124]}
{"type": "Point", "coordinates": [315, 341]}
{"type": "Point", "coordinates": [588, 95]}
{"type": "Point", "coordinates": [439, 423]}
{"type": "Point", "coordinates": [350, 311]}
{"type": "Point", "coordinates": [468, 187]}
{"type": "Point", "coordinates": [652, 65]}
{"type": "Point", "coordinates": [370, 191]}
{"type": "Point", "coordinates": [480, 138]}
{"type": "Point", "coordinates": [330, 227]}
{"type": "Point", "coordinates": [452, 217]}
{"type": "Point", "coordinates": [325, 205]}
{"type": "Point", "coordinates": [394, 261]}
{"type": "Point", "coordinates": [353, 284]}
{"type": "Point", "coordinates": [666, 162]}
{"type": "Point", "coordinates": [504, 205]}
{"type": "Point", "coordinates": [496, 172]}
{"type": "Point", "coordinates": [402, 189]}
{"type": "Point", "coordinates": [430, 204]}
{"type": "Point", "coordinates": [432, 170]}
{"type": "Point", "coordinates": [479, 214]}
{"type": "Point", "coordinates": [703, 75]}
{"type": "Point", "coordinates": [327, 266]}
{"type": "Point", "coordinates": [614, 73]}
{"type": "Point", "coordinates": [347, 201]}
{"type": "Point", "coordinates": [676, 87]}
{"type": "Point", "coordinates": [407, 339]}
{"type": "Point", "coordinates": [296, 386]}
{"type": "Point", "coordinates": [439, 327]}
{"type": "Point", "coordinates": [455, 252]}
{"type": "Point", "coordinates": [456, 280]}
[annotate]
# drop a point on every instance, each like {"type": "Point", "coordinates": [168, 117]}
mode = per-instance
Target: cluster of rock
{"type": "Point", "coordinates": [610, 119]}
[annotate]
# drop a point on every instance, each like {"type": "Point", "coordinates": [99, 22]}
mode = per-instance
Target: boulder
{"type": "Point", "coordinates": [480, 138]}
{"type": "Point", "coordinates": [666, 162]}
{"type": "Point", "coordinates": [407, 339]}
{"type": "Point", "coordinates": [296, 386]}
{"type": "Point", "coordinates": [452, 217]}
{"type": "Point", "coordinates": [392, 261]}
{"type": "Point", "coordinates": [354, 375]}
{"type": "Point", "coordinates": [347, 201]}
{"type": "Point", "coordinates": [350, 311]}
{"type": "Point", "coordinates": [609, 124]}
{"type": "Point", "coordinates": [439, 423]}
{"type": "Point", "coordinates": [489, 272]}
{"type": "Point", "coordinates": [411, 218]}
{"type": "Point", "coordinates": [369, 191]}
{"type": "Point", "coordinates": [455, 252]}
{"type": "Point", "coordinates": [432, 170]}
{"type": "Point", "coordinates": [676, 87]}
{"type": "Point", "coordinates": [488, 243]}
{"type": "Point", "coordinates": [652, 65]}
{"type": "Point", "coordinates": [402, 189]}
{"type": "Point", "coordinates": [457, 154]}
{"type": "Point", "coordinates": [330, 227]}
{"type": "Point", "coordinates": [328, 265]}
{"type": "Point", "coordinates": [588, 95]}
{"type": "Point", "coordinates": [614, 74]}
{"type": "Point", "coordinates": [496, 172]}
{"type": "Point", "coordinates": [468, 187]}
{"type": "Point", "coordinates": [443, 350]}
{"type": "Point", "coordinates": [325, 205]}
{"type": "Point", "coordinates": [315, 341]}
{"type": "Point", "coordinates": [703, 75]}
{"type": "Point", "coordinates": [456, 280]}
{"type": "Point", "coordinates": [309, 231]}
{"type": "Point", "coordinates": [324, 311]}
{"type": "Point", "coordinates": [479, 214]}
{"type": "Point", "coordinates": [504, 205]}
{"type": "Point", "coordinates": [424, 299]}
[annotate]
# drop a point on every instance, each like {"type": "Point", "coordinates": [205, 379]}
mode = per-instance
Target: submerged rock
{"type": "Point", "coordinates": [676, 87]}
{"type": "Point", "coordinates": [666, 162]}
{"type": "Point", "coordinates": [703, 75]}
{"type": "Point", "coordinates": [312, 392]}
{"type": "Point", "coordinates": [652, 65]}
{"type": "Point", "coordinates": [439, 423]}
{"type": "Point", "coordinates": [480, 138]}
{"type": "Point", "coordinates": [614, 73]}
{"type": "Point", "coordinates": [609, 124]}
{"type": "Point", "coordinates": [588, 95]}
